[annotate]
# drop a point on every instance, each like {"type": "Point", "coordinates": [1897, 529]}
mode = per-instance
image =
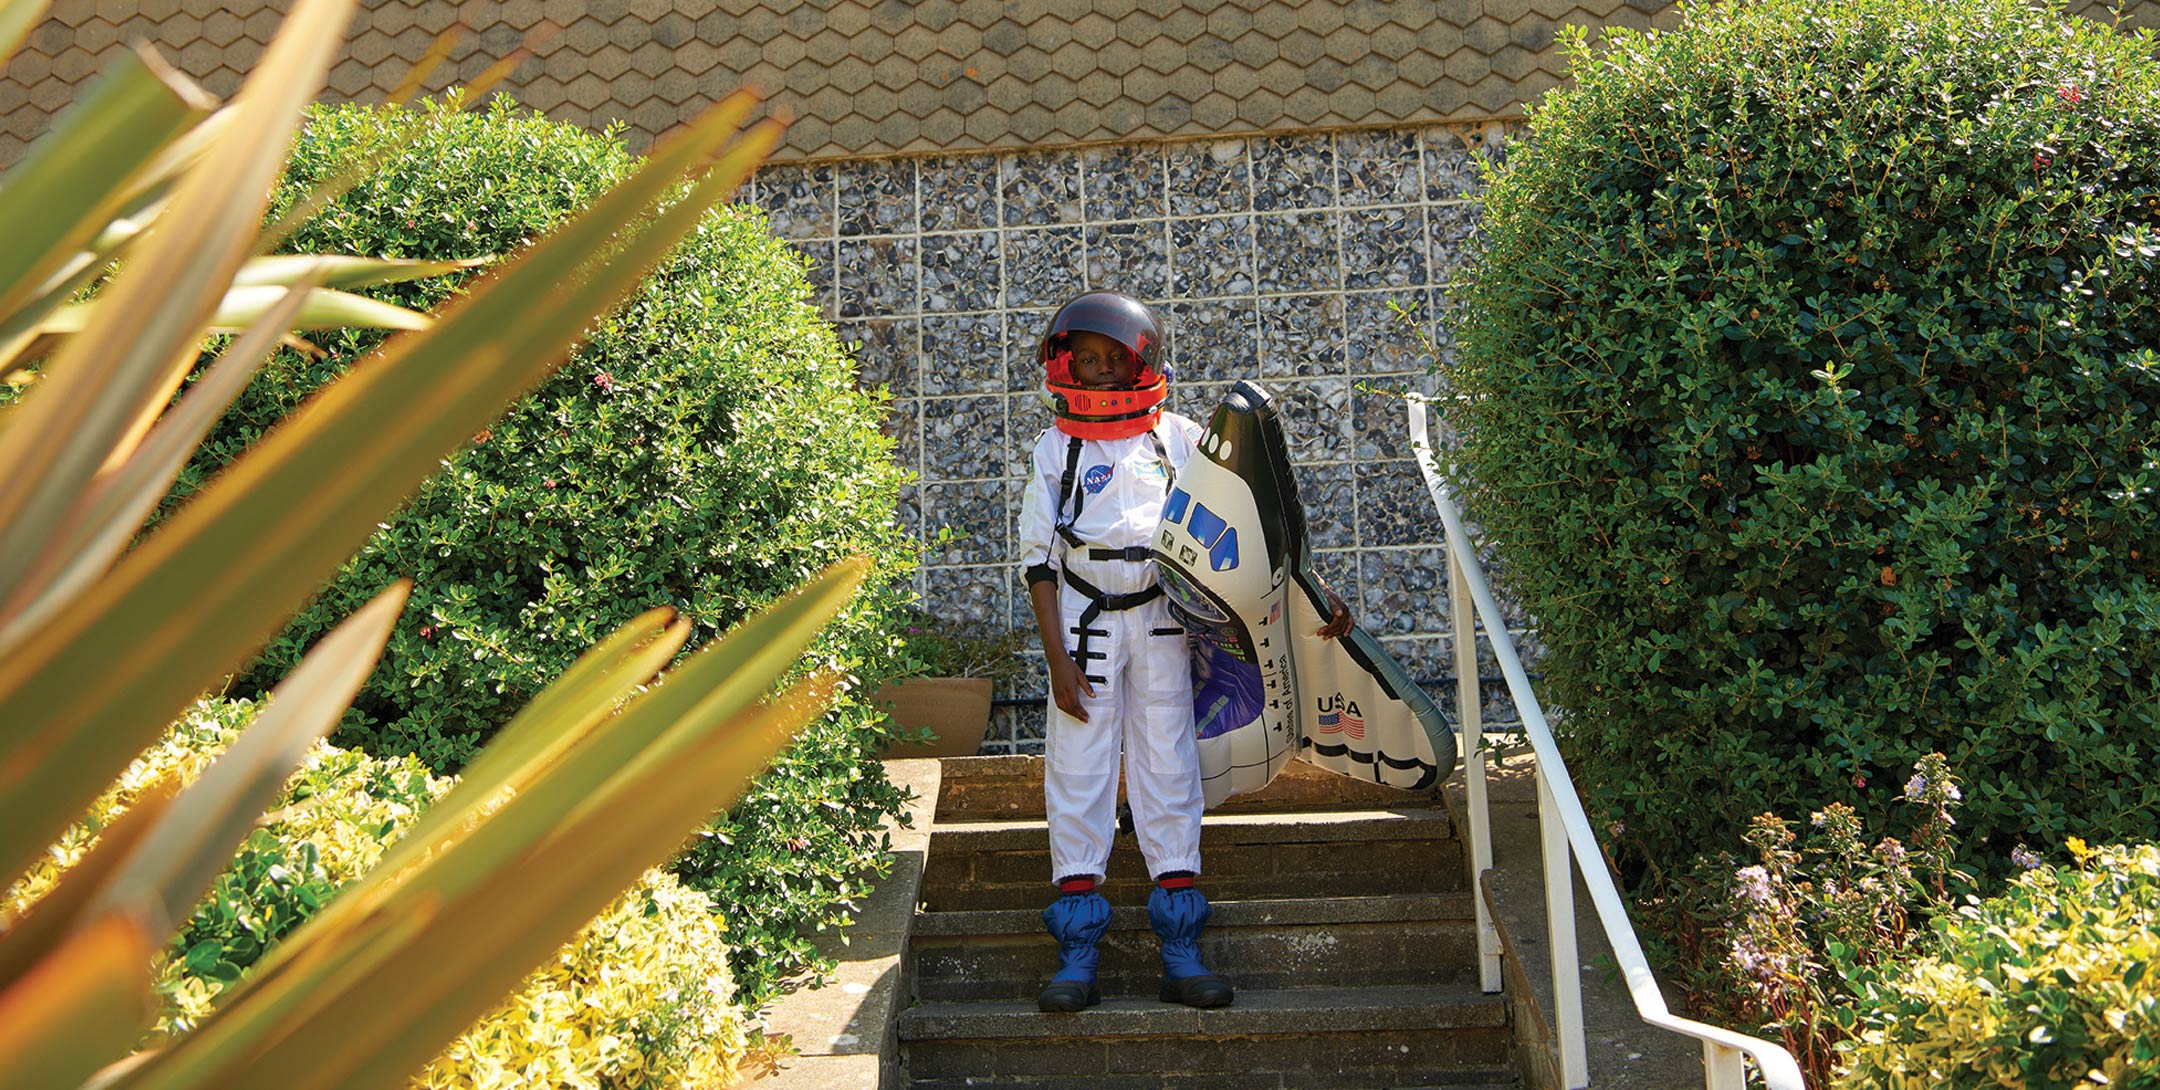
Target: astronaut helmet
{"type": "Point", "coordinates": [1093, 413]}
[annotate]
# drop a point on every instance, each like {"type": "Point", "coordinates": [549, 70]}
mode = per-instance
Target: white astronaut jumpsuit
{"type": "Point", "coordinates": [1134, 658]}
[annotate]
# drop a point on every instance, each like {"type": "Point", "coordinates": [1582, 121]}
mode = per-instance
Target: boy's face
{"type": "Point", "coordinates": [1099, 362]}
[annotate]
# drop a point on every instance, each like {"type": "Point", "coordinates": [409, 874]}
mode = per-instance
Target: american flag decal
{"type": "Point", "coordinates": [1353, 726]}
{"type": "Point", "coordinates": [1331, 723]}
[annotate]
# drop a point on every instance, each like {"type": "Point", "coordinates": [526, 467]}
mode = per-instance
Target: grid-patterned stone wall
{"type": "Point", "coordinates": [1281, 259]}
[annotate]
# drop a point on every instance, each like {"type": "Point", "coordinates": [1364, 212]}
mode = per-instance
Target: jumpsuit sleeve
{"type": "Point", "coordinates": [1190, 431]}
{"type": "Point", "coordinates": [1040, 558]}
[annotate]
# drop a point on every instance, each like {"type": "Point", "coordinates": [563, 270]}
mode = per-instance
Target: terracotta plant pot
{"type": "Point", "coordinates": [956, 708]}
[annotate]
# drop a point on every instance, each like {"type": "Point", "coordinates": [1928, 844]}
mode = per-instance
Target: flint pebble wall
{"type": "Point", "coordinates": [1314, 263]}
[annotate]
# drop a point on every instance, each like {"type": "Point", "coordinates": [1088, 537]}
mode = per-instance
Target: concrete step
{"type": "Point", "coordinates": [1011, 788]}
{"type": "Point", "coordinates": [1317, 1038]}
{"type": "Point", "coordinates": [1006, 864]}
{"type": "Point", "coordinates": [1400, 939]}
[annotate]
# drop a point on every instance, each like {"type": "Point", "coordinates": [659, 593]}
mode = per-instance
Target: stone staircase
{"type": "Point", "coordinates": [1342, 916]}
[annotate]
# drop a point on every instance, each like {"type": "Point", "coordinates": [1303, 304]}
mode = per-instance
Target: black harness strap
{"type": "Point", "coordinates": [1129, 552]}
{"type": "Point", "coordinates": [1100, 603]}
{"type": "Point", "coordinates": [1065, 488]}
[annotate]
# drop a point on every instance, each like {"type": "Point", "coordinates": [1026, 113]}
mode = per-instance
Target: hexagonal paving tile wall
{"type": "Point", "coordinates": [871, 77]}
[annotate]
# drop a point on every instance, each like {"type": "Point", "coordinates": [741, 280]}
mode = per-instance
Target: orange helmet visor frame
{"type": "Point", "coordinates": [1108, 414]}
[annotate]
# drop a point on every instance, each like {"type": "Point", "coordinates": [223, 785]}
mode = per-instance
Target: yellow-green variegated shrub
{"type": "Point", "coordinates": [2051, 984]}
{"type": "Point", "coordinates": [640, 997]}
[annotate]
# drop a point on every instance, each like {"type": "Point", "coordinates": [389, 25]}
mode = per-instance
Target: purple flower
{"type": "Point", "coordinates": [1916, 785]}
{"type": "Point", "coordinates": [2024, 857]}
{"type": "Point", "coordinates": [1754, 884]}
{"type": "Point", "coordinates": [1747, 955]}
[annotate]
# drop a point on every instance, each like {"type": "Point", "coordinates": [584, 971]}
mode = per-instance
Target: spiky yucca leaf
{"type": "Point", "coordinates": [452, 915]}
{"type": "Point", "coordinates": [94, 662]}
{"type": "Point", "coordinates": [222, 574]}
{"type": "Point", "coordinates": [144, 882]}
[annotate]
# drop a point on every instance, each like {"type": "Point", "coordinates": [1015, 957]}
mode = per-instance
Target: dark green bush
{"type": "Point", "coordinates": [708, 448]}
{"type": "Point", "coordinates": [1811, 367]}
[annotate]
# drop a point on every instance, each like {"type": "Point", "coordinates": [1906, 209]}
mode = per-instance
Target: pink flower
{"type": "Point", "coordinates": [549, 482]}
{"type": "Point", "coordinates": [2040, 161]}
{"type": "Point", "coordinates": [1859, 780]}
{"type": "Point", "coordinates": [2069, 92]}
{"type": "Point", "coordinates": [427, 632]}
{"type": "Point", "coordinates": [605, 381]}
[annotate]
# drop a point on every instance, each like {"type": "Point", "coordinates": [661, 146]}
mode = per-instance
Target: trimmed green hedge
{"type": "Point", "coordinates": [707, 448]}
{"type": "Point", "coordinates": [1812, 368]}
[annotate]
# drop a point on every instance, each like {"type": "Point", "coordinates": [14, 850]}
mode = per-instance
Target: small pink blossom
{"type": "Point", "coordinates": [2069, 92]}
{"type": "Point", "coordinates": [605, 381]}
{"type": "Point", "coordinates": [548, 482]}
{"type": "Point", "coordinates": [1859, 781]}
{"type": "Point", "coordinates": [2041, 161]}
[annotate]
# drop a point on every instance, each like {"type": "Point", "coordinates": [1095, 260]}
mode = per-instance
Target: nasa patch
{"type": "Point", "coordinates": [1097, 478]}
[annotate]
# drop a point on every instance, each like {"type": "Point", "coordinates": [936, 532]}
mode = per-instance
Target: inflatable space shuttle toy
{"type": "Point", "coordinates": [1237, 568]}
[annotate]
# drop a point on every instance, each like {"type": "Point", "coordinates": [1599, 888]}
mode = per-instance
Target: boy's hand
{"type": "Point", "coordinates": [1339, 623]}
{"type": "Point", "coordinates": [1068, 685]}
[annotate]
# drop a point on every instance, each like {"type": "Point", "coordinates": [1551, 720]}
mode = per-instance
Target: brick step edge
{"type": "Point", "coordinates": [1271, 912]}
{"type": "Point", "coordinates": [1311, 827]}
{"type": "Point", "coordinates": [1285, 1012]}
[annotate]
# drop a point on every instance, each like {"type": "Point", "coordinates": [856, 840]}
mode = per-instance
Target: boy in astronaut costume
{"type": "Point", "coordinates": [1120, 680]}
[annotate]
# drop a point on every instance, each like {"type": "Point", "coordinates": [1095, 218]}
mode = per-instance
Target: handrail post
{"type": "Point", "coordinates": [1470, 716]}
{"type": "Point", "coordinates": [1723, 1068]}
{"type": "Point", "coordinates": [1564, 830]}
{"type": "Point", "coordinates": [1560, 926]}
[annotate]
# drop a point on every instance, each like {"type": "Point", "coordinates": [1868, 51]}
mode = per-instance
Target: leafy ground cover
{"type": "Point", "coordinates": [641, 996]}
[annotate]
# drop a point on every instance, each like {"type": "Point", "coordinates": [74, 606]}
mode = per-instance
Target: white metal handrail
{"type": "Point", "coordinates": [1565, 832]}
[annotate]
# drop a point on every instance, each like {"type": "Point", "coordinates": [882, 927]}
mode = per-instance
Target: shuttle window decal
{"type": "Point", "coordinates": [1173, 510]}
{"type": "Point", "coordinates": [1213, 532]}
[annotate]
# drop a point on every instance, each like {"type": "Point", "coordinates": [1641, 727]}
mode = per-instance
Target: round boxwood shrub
{"type": "Point", "coordinates": [1809, 378]}
{"type": "Point", "coordinates": [708, 448]}
{"type": "Point", "coordinates": [2050, 984]}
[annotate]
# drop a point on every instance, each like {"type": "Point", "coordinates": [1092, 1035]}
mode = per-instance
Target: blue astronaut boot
{"type": "Point", "coordinates": [1178, 911]}
{"type": "Point", "coordinates": [1077, 920]}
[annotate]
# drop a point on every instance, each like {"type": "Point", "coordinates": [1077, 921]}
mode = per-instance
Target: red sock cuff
{"type": "Point", "coordinates": [1076, 885]}
{"type": "Point", "coordinates": [1183, 881]}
